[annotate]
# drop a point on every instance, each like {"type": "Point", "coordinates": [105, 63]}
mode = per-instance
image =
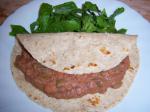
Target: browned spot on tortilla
{"type": "Point", "coordinates": [131, 68]}
{"type": "Point", "coordinates": [125, 49]}
{"type": "Point", "coordinates": [105, 107]}
{"type": "Point", "coordinates": [72, 67]}
{"type": "Point", "coordinates": [80, 36]}
{"type": "Point", "coordinates": [35, 98]}
{"type": "Point", "coordinates": [53, 61]}
{"type": "Point", "coordinates": [44, 61]}
{"type": "Point", "coordinates": [66, 68]}
{"type": "Point", "coordinates": [53, 57]}
{"type": "Point", "coordinates": [92, 65]}
{"type": "Point", "coordinates": [105, 51]}
{"type": "Point", "coordinates": [95, 101]}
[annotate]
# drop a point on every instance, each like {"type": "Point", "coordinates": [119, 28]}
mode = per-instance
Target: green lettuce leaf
{"type": "Point", "coordinates": [67, 17]}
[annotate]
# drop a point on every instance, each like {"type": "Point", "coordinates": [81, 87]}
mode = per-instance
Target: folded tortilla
{"type": "Point", "coordinates": [63, 50]}
{"type": "Point", "coordinates": [60, 51]}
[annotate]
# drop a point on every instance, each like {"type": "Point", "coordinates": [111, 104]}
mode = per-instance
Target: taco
{"type": "Point", "coordinates": [75, 72]}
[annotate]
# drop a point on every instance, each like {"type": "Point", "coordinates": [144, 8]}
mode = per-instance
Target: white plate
{"type": "Point", "coordinates": [138, 98]}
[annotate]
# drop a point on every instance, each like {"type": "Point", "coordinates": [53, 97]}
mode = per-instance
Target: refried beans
{"type": "Point", "coordinates": [66, 86]}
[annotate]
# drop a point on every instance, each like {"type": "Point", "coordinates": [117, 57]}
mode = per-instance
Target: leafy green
{"type": "Point", "coordinates": [67, 17]}
{"type": "Point", "coordinates": [17, 29]}
{"type": "Point", "coordinates": [88, 24]}
{"type": "Point", "coordinates": [65, 8]}
{"type": "Point", "coordinates": [117, 12]}
{"type": "Point", "coordinates": [122, 31]}
{"type": "Point", "coordinates": [43, 21]}
{"type": "Point", "coordinates": [90, 6]}
{"type": "Point", "coordinates": [71, 25]}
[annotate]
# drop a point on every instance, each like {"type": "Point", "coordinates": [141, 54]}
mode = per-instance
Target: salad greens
{"type": "Point", "coordinates": [67, 17]}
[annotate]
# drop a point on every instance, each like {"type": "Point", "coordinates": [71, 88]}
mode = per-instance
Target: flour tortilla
{"type": "Point", "coordinates": [83, 104]}
{"type": "Point", "coordinates": [63, 50]}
